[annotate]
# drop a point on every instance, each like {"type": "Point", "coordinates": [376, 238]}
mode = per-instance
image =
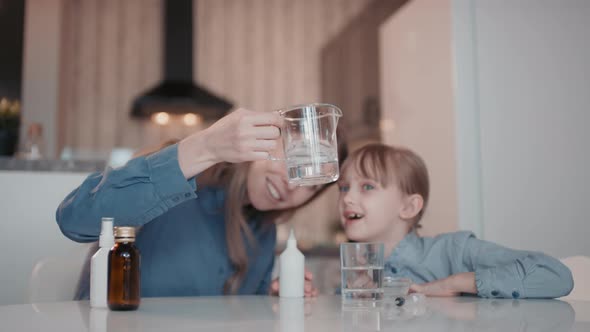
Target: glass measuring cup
{"type": "Point", "coordinates": [310, 145]}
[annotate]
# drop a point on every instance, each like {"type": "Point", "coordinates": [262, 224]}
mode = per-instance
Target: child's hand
{"type": "Point", "coordinates": [453, 285]}
{"type": "Point", "coordinates": [308, 289]}
{"type": "Point", "coordinates": [434, 288]}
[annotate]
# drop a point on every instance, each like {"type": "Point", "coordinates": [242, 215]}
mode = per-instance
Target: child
{"type": "Point", "coordinates": [383, 195]}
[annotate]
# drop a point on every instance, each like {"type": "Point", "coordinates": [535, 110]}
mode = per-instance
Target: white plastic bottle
{"type": "Point", "coordinates": [291, 270]}
{"type": "Point", "coordinates": [99, 265]}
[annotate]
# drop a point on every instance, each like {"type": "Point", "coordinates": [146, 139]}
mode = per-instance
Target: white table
{"type": "Point", "coordinates": [325, 313]}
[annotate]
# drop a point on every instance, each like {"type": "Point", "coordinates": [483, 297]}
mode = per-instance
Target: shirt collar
{"type": "Point", "coordinates": [405, 247]}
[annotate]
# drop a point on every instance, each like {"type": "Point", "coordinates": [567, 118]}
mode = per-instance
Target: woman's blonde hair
{"type": "Point", "coordinates": [393, 165]}
{"type": "Point", "coordinates": [235, 176]}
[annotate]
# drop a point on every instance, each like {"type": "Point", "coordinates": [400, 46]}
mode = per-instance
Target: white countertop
{"type": "Point", "coordinates": [325, 313]}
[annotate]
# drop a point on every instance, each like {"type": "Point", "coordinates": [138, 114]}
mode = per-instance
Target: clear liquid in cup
{"type": "Point", "coordinates": [362, 283]}
{"type": "Point", "coordinates": [311, 165]}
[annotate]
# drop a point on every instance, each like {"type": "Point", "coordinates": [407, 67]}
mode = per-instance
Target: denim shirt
{"type": "Point", "coordinates": [499, 272]}
{"type": "Point", "coordinates": [182, 236]}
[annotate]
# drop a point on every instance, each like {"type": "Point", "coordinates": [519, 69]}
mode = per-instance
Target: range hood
{"type": "Point", "coordinates": [177, 93]}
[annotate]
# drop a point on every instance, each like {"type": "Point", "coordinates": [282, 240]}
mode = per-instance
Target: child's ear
{"type": "Point", "coordinates": [412, 205]}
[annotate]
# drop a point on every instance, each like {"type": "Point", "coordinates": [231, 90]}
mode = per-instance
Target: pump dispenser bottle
{"type": "Point", "coordinates": [99, 265]}
{"type": "Point", "coordinates": [291, 270]}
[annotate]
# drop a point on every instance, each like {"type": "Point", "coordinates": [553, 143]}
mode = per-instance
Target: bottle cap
{"type": "Point", "coordinates": [291, 241]}
{"type": "Point", "coordinates": [106, 232]}
{"type": "Point", "coordinates": [124, 232]}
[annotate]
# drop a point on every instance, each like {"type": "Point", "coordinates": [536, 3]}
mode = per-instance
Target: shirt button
{"type": "Point", "coordinates": [495, 293]}
{"type": "Point", "coordinates": [515, 295]}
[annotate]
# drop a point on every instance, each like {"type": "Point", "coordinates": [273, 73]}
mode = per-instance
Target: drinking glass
{"type": "Point", "coordinates": [362, 271]}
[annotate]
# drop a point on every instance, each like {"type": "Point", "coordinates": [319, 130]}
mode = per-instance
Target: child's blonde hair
{"type": "Point", "coordinates": [392, 165]}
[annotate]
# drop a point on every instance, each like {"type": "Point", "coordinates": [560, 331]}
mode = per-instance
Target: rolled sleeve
{"type": "Point", "coordinates": [167, 177]}
{"type": "Point", "coordinates": [494, 282]}
{"type": "Point", "coordinates": [507, 273]}
{"type": "Point", "coordinates": [134, 194]}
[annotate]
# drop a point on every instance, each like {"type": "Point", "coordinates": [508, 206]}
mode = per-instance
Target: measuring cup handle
{"type": "Point", "coordinates": [270, 156]}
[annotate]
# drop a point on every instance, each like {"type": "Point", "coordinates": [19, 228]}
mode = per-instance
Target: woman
{"type": "Point", "coordinates": [206, 207]}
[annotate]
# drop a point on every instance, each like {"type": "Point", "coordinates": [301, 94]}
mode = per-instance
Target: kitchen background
{"type": "Point", "coordinates": [492, 93]}
{"type": "Point", "coordinates": [262, 55]}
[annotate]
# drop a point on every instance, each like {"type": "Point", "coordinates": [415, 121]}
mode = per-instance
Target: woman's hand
{"type": "Point", "coordinates": [243, 135]}
{"type": "Point", "coordinates": [453, 285]}
{"type": "Point", "coordinates": [240, 136]}
{"type": "Point", "coordinates": [309, 290]}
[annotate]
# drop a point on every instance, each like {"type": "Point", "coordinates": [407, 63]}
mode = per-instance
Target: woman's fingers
{"type": "Point", "coordinates": [274, 287]}
{"type": "Point", "coordinates": [266, 132]}
{"type": "Point", "coordinates": [242, 135]}
{"type": "Point", "coordinates": [310, 290]}
{"type": "Point", "coordinates": [265, 119]}
{"type": "Point", "coordinates": [248, 131]}
{"type": "Point", "coordinates": [256, 155]}
{"type": "Point", "coordinates": [261, 145]}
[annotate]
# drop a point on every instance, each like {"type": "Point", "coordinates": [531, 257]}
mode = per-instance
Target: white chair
{"type": "Point", "coordinates": [580, 267]}
{"type": "Point", "coordinates": [55, 278]}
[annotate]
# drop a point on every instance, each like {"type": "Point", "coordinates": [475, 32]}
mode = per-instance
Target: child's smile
{"type": "Point", "coordinates": [349, 217]}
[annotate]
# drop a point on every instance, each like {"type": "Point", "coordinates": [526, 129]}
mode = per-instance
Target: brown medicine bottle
{"type": "Point", "coordinates": [124, 274]}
